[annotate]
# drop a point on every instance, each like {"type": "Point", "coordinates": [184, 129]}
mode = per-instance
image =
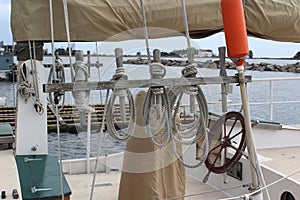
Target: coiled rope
{"type": "Point", "coordinates": [121, 94]}
{"type": "Point", "coordinates": [27, 89]}
{"type": "Point", "coordinates": [81, 97]}
{"type": "Point", "coordinates": [187, 134]}
{"type": "Point", "coordinates": [153, 109]}
{"type": "Point", "coordinates": [157, 117]}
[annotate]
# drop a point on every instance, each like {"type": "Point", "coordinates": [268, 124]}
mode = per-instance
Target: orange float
{"type": "Point", "coordinates": [235, 30]}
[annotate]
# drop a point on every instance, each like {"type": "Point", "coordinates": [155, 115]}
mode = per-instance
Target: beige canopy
{"type": "Point", "coordinates": [115, 20]}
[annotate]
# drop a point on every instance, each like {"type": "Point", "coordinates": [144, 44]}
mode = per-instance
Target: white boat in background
{"type": "Point", "coordinates": [227, 156]}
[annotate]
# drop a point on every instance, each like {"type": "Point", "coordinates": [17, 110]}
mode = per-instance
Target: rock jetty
{"type": "Point", "coordinates": [263, 66]}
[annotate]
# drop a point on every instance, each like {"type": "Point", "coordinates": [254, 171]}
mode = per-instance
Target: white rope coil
{"type": "Point", "coordinates": [162, 130]}
{"type": "Point", "coordinates": [81, 97]}
{"type": "Point", "coordinates": [157, 70]}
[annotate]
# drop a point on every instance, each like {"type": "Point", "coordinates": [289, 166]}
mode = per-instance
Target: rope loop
{"type": "Point", "coordinates": [26, 91]}
{"type": "Point", "coordinates": [157, 70]}
{"type": "Point", "coordinates": [81, 97]}
{"type": "Point", "coordinates": [157, 116]}
{"type": "Point", "coordinates": [81, 71]}
{"type": "Point", "coordinates": [190, 71]}
{"type": "Point", "coordinates": [192, 132]}
{"type": "Point", "coordinates": [110, 119]}
{"type": "Point", "coordinates": [57, 77]}
{"type": "Point", "coordinates": [38, 107]}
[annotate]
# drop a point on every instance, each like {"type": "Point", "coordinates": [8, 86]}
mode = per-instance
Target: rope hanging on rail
{"type": "Point", "coordinates": [26, 88]}
{"type": "Point", "coordinates": [81, 75]}
{"type": "Point", "coordinates": [122, 94]}
{"type": "Point", "coordinates": [195, 131]}
{"type": "Point", "coordinates": [57, 75]}
{"type": "Point", "coordinates": [156, 112]}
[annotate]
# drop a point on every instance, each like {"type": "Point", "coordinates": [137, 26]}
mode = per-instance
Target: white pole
{"type": "Point", "coordinates": [271, 100]}
{"type": "Point", "coordinates": [249, 135]}
{"type": "Point", "coordinates": [59, 152]}
{"type": "Point", "coordinates": [88, 144]}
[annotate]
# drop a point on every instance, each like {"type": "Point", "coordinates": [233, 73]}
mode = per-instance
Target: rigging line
{"type": "Point", "coordinates": [145, 30]}
{"type": "Point", "coordinates": [52, 40]}
{"type": "Point", "coordinates": [265, 187]}
{"type": "Point", "coordinates": [59, 153]}
{"type": "Point", "coordinates": [186, 25]}
{"type": "Point", "coordinates": [36, 87]}
{"type": "Point", "coordinates": [33, 71]}
{"type": "Point", "coordinates": [99, 148]}
{"type": "Point", "coordinates": [13, 75]}
{"type": "Point", "coordinates": [68, 37]}
{"type": "Point", "coordinates": [204, 193]}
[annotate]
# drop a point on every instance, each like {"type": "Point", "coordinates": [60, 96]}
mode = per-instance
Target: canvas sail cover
{"type": "Point", "coordinates": [116, 20]}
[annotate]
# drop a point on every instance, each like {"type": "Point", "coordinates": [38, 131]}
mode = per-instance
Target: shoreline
{"type": "Point", "coordinates": [214, 64]}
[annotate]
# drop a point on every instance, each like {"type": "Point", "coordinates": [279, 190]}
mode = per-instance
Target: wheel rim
{"type": "Point", "coordinates": [233, 139]}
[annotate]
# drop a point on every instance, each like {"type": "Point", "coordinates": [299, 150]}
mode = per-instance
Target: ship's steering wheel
{"type": "Point", "coordinates": [233, 140]}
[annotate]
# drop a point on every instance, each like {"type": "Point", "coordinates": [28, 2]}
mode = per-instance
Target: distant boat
{"type": "Point", "coordinates": [7, 71]}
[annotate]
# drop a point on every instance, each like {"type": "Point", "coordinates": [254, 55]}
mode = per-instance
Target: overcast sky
{"type": "Point", "coordinates": [261, 48]}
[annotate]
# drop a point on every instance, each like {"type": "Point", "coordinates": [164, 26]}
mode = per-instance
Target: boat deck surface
{"type": "Point", "coordinates": [280, 158]}
{"type": "Point", "coordinates": [107, 185]}
{"type": "Point", "coordinates": [9, 176]}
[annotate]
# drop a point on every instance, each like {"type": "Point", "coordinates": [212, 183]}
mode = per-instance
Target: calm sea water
{"type": "Point", "coordinates": [73, 146]}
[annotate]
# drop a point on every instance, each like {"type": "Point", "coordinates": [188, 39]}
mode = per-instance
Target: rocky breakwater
{"type": "Point", "coordinates": [263, 66]}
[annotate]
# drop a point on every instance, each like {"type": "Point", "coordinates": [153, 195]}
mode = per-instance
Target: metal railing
{"type": "Point", "coordinates": [271, 102]}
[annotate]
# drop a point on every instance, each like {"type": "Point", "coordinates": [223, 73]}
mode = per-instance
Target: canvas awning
{"type": "Point", "coordinates": [116, 20]}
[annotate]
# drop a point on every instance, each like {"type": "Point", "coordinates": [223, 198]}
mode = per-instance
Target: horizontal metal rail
{"type": "Point", "coordinates": [271, 101]}
{"type": "Point", "coordinates": [144, 83]}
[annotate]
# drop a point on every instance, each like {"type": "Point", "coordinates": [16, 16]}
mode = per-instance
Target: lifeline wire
{"type": "Point", "coordinates": [262, 188]}
{"type": "Point", "coordinates": [52, 40]}
{"type": "Point", "coordinates": [203, 193]}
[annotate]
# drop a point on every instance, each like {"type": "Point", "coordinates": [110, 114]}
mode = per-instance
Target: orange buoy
{"type": "Point", "coordinates": [235, 30]}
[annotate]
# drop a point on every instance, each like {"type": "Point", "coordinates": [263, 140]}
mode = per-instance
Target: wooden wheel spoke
{"type": "Point", "coordinates": [225, 154]}
{"type": "Point", "coordinates": [224, 129]}
{"type": "Point", "coordinates": [233, 125]}
{"type": "Point", "coordinates": [219, 145]}
{"type": "Point", "coordinates": [233, 147]}
{"type": "Point", "coordinates": [217, 156]}
{"type": "Point", "coordinates": [236, 135]}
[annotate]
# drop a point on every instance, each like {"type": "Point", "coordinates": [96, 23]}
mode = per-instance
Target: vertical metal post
{"type": "Point", "coordinates": [89, 62]}
{"type": "Point", "coordinates": [271, 100]}
{"type": "Point", "coordinates": [56, 101]}
{"type": "Point", "coordinates": [254, 165]}
{"type": "Point", "coordinates": [222, 53]}
{"type": "Point", "coordinates": [119, 62]}
{"type": "Point", "coordinates": [88, 144]}
{"type": "Point", "coordinates": [191, 58]}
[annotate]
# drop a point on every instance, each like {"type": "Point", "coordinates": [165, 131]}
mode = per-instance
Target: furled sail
{"type": "Point", "coordinates": [99, 20]}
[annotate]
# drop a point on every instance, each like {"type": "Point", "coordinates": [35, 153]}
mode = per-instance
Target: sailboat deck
{"type": "Point", "coordinates": [280, 158]}
{"type": "Point", "coordinates": [107, 185]}
{"type": "Point", "coordinates": [9, 175]}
